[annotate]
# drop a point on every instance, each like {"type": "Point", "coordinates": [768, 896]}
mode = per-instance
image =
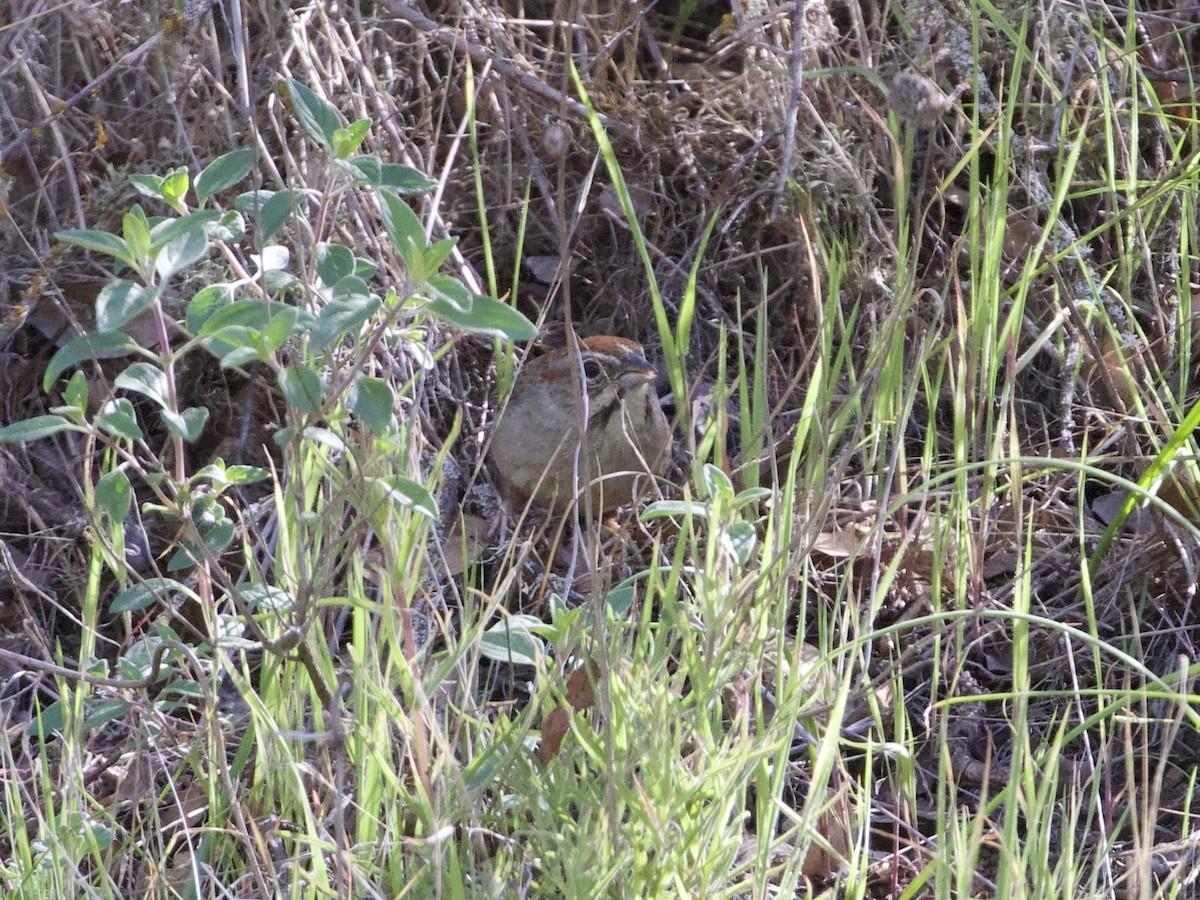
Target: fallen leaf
{"type": "Point", "coordinates": [581, 695]}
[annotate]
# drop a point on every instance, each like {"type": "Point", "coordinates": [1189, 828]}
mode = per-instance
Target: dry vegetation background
{"type": "Point", "coordinates": [798, 127]}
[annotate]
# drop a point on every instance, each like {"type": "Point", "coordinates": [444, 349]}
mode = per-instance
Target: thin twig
{"type": "Point", "coordinates": [455, 40]}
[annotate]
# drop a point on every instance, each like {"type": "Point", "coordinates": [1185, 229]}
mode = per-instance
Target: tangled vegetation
{"type": "Point", "coordinates": [910, 612]}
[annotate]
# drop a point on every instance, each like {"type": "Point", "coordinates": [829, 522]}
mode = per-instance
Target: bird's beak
{"type": "Point", "coordinates": [636, 371]}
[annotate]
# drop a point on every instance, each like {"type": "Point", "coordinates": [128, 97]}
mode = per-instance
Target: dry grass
{"type": "Point", "coordinates": [944, 314]}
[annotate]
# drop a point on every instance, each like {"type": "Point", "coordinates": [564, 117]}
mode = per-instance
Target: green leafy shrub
{"type": "Point", "coordinates": [314, 332]}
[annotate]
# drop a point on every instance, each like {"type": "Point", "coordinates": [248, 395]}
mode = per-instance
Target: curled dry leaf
{"type": "Point", "coordinates": [464, 544]}
{"type": "Point", "coordinates": [580, 696]}
{"type": "Point", "coordinates": [835, 826]}
{"type": "Point", "coordinates": [841, 543]}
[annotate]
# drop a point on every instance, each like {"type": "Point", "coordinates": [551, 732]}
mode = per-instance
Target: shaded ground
{"type": "Point", "coordinates": [709, 117]}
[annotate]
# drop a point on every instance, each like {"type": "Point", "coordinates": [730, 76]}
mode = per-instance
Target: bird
{"type": "Point", "coordinates": [628, 438]}
{"type": "Point", "coordinates": [919, 100]}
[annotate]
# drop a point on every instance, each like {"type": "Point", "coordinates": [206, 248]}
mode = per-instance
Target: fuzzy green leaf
{"type": "Point", "coordinates": [343, 315]}
{"type": "Point", "coordinates": [187, 424]}
{"type": "Point", "coordinates": [97, 241]}
{"type": "Point", "coordinates": [118, 418]}
{"type": "Point", "coordinates": [410, 495]}
{"type": "Point", "coordinates": [405, 233]}
{"type": "Point", "coordinates": [114, 495]}
{"type": "Point", "coordinates": [96, 345]}
{"type": "Point", "coordinates": [33, 429]}
{"type": "Point", "coordinates": [347, 140]}
{"type": "Point", "coordinates": [510, 642]}
{"type": "Point", "coordinates": [140, 596]}
{"type": "Point", "coordinates": [487, 316]}
{"type": "Point", "coordinates": [317, 116]}
{"type": "Point", "coordinates": [224, 172]}
{"type": "Point", "coordinates": [301, 388]}
{"type": "Point", "coordinates": [374, 403]}
{"type": "Point", "coordinates": [121, 300]}
{"type": "Point", "coordinates": [145, 379]}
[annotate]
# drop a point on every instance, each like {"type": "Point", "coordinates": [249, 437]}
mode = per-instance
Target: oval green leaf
{"type": "Point", "coordinates": [145, 379]}
{"type": "Point", "coordinates": [487, 316]}
{"type": "Point", "coordinates": [374, 403]}
{"type": "Point", "coordinates": [119, 419]}
{"type": "Point", "coordinates": [224, 172]}
{"type": "Point", "coordinates": [511, 643]}
{"type": "Point", "coordinates": [119, 301]}
{"type": "Point", "coordinates": [147, 593]}
{"type": "Point", "coordinates": [97, 241]}
{"type": "Point", "coordinates": [114, 495]}
{"type": "Point", "coordinates": [33, 429]}
{"type": "Point", "coordinates": [409, 494]}
{"type": "Point", "coordinates": [301, 388]}
{"type": "Point", "coordinates": [96, 345]}
{"type": "Point", "coordinates": [317, 116]}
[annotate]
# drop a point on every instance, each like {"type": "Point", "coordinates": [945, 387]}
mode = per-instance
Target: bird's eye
{"type": "Point", "coordinates": [592, 370]}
